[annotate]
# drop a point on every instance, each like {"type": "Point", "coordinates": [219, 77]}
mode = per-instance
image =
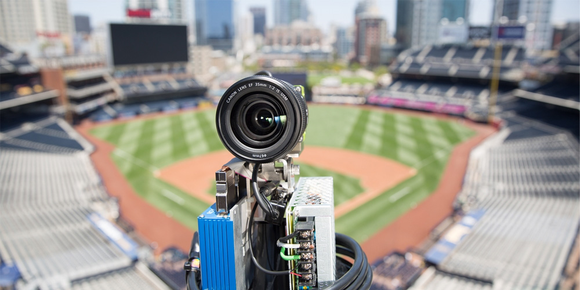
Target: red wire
{"type": "Point", "coordinates": [295, 274]}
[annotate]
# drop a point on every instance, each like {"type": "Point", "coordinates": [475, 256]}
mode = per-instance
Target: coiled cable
{"type": "Point", "coordinates": [360, 274]}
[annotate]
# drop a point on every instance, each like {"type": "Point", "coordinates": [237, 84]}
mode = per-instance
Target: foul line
{"type": "Point", "coordinates": [419, 165]}
{"type": "Point", "coordinates": [154, 170]}
{"type": "Point", "coordinates": [397, 195]}
{"type": "Point", "coordinates": [135, 160]}
{"type": "Point", "coordinates": [173, 196]}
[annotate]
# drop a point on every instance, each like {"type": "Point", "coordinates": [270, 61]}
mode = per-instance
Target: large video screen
{"type": "Point", "coordinates": [134, 44]}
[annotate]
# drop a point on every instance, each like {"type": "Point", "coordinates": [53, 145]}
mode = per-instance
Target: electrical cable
{"type": "Point", "coordinates": [287, 246]}
{"type": "Point", "coordinates": [251, 225]}
{"type": "Point", "coordinates": [191, 280]}
{"type": "Point", "coordinates": [288, 257]}
{"type": "Point", "coordinates": [288, 237]}
{"type": "Point", "coordinates": [192, 276]}
{"type": "Point", "coordinates": [282, 241]}
{"type": "Point", "coordinates": [262, 201]}
{"type": "Point", "coordinates": [360, 275]}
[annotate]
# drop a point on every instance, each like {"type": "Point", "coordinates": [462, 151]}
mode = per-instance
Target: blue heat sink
{"type": "Point", "coordinates": [216, 240]}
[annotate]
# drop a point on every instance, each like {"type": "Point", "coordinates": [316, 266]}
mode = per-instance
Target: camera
{"type": "Point", "coordinates": [261, 118]}
{"type": "Point", "coordinates": [265, 230]}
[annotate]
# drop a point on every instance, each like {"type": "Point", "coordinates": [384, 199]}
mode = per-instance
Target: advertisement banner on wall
{"type": "Point", "coordinates": [453, 33]}
{"type": "Point", "coordinates": [479, 32]}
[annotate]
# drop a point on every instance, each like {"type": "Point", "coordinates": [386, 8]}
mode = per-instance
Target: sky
{"type": "Point", "coordinates": [324, 12]}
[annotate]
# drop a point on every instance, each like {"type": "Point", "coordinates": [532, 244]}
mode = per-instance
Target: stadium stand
{"type": "Point", "coordinates": [434, 279]}
{"type": "Point", "coordinates": [526, 182]}
{"type": "Point", "coordinates": [396, 271]}
{"type": "Point", "coordinates": [448, 79]}
{"type": "Point", "coordinates": [569, 55]}
{"type": "Point", "coordinates": [85, 80]}
{"type": "Point", "coordinates": [53, 230]}
{"type": "Point", "coordinates": [122, 110]}
{"type": "Point", "coordinates": [561, 93]}
{"type": "Point", "coordinates": [21, 83]}
{"type": "Point", "coordinates": [156, 85]}
{"type": "Point", "coordinates": [460, 61]}
{"type": "Point", "coordinates": [169, 267]}
{"type": "Point", "coordinates": [440, 97]}
{"type": "Point", "coordinates": [138, 277]}
{"type": "Point", "coordinates": [516, 219]}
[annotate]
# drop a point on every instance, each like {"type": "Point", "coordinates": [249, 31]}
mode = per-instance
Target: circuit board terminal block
{"type": "Point", "coordinates": [310, 213]}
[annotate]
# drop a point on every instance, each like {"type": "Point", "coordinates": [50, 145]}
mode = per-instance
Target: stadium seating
{"type": "Point", "coordinates": [433, 279]}
{"type": "Point", "coordinates": [526, 180]}
{"type": "Point", "coordinates": [138, 86]}
{"type": "Point", "coordinates": [394, 272]}
{"type": "Point", "coordinates": [459, 61]}
{"type": "Point", "coordinates": [120, 110]}
{"type": "Point", "coordinates": [448, 79]}
{"type": "Point", "coordinates": [128, 278]}
{"type": "Point", "coordinates": [439, 97]}
{"type": "Point", "coordinates": [49, 190]}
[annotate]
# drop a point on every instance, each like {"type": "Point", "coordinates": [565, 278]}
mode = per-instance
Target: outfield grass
{"type": "Point", "coordinates": [144, 146]}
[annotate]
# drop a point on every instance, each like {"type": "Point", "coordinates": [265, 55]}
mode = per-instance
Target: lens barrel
{"type": "Point", "coordinates": [261, 118]}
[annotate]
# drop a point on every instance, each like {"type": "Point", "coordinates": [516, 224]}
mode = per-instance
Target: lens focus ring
{"type": "Point", "coordinates": [261, 119]}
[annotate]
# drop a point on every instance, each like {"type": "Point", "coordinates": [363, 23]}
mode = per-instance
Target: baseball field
{"type": "Point", "coordinates": [383, 163]}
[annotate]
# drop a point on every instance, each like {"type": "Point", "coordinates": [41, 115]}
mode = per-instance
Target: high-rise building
{"type": "Point", "coordinates": [297, 34]}
{"type": "Point", "coordinates": [418, 21]}
{"type": "Point", "coordinates": [534, 14]}
{"type": "Point", "coordinates": [156, 11]}
{"type": "Point", "coordinates": [259, 14]}
{"type": "Point", "coordinates": [17, 23]}
{"type": "Point", "coordinates": [371, 33]}
{"type": "Point", "coordinates": [22, 22]}
{"type": "Point", "coordinates": [82, 24]}
{"type": "Point", "coordinates": [287, 11]}
{"type": "Point", "coordinates": [214, 23]}
{"type": "Point", "coordinates": [404, 30]}
{"type": "Point", "coordinates": [344, 42]}
{"type": "Point", "coordinates": [455, 9]}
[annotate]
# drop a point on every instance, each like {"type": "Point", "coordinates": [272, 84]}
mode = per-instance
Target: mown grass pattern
{"type": "Point", "coordinates": [144, 146]}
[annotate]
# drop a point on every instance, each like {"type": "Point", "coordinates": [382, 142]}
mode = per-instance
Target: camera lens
{"type": "Point", "coordinates": [261, 119]}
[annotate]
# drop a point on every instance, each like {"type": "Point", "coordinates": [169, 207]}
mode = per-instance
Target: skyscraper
{"type": "Point", "coordinates": [371, 33]}
{"type": "Point", "coordinates": [405, 9]}
{"type": "Point", "coordinates": [214, 23]}
{"type": "Point", "coordinates": [418, 21]}
{"type": "Point", "coordinates": [22, 22]}
{"type": "Point", "coordinates": [259, 14]}
{"type": "Point", "coordinates": [454, 9]}
{"type": "Point", "coordinates": [344, 42]}
{"type": "Point", "coordinates": [287, 11]}
{"type": "Point", "coordinates": [535, 14]}
{"type": "Point", "coordinates": [82, 24]}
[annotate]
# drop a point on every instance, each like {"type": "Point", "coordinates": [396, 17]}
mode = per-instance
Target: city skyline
{"type": "Point", "coordinates": [342, 14]}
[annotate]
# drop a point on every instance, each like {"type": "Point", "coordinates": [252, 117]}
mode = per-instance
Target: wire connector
{"type": "Point", "coordinates": [191, 265]}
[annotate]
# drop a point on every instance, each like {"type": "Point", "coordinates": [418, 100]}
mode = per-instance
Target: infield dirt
{"type": "Point", "coordinates": [376, 174]}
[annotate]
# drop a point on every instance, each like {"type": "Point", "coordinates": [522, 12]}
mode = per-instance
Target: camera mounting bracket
{"type": "Point", "coordinates": [230, 188]}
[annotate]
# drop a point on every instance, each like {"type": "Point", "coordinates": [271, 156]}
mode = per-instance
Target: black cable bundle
{"type": "Point", "coordinates": [360, 274]}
